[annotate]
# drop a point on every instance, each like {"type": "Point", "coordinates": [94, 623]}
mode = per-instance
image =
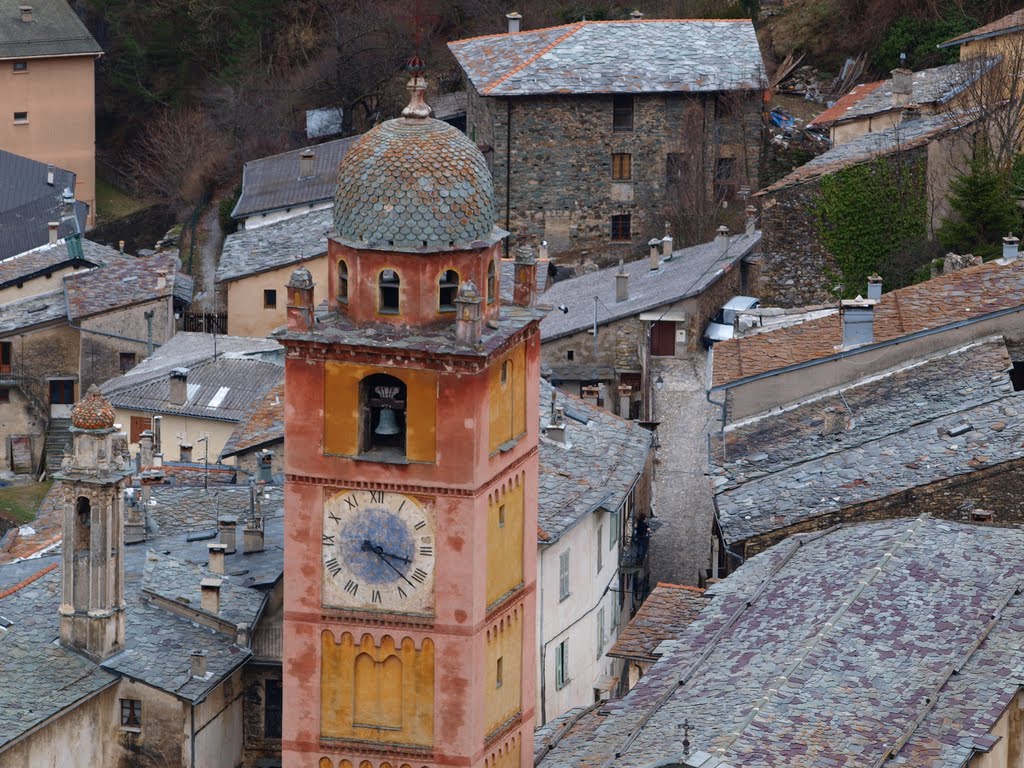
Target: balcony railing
{"type": "Point", "coordinates": [267, 642]}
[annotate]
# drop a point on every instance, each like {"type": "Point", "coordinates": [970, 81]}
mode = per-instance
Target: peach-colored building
{"type": "Point", "coordinates": [47, 89]}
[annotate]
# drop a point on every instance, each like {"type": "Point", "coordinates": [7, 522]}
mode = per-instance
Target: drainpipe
{"type": "Point", "coordinates": [543, 649]}
{"type": "Point", "coordinates": [149, 332]}
{"type": "Point", "coordinates": [508, 170]}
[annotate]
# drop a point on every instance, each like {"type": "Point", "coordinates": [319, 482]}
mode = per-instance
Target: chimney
{"type": "Point", "coordinates": [199, 658]}
{"type": "Point", "coordinates": [874, 288]}
{"type": "Point", "coordinates": [242, 635]}
{"type": "Point", "coordinates": [621, 283]}
{"type": "Point", "coordinates": [556, 429]}
{"type": "Point", "coordinates": [156, 435]}
{"type": "Point", "coordinates": [264, 466]}
{"type": "Point", "coordinates": [590, 394]}
{"type": "Point", "coordinates": [179, 386]}
{"type": "Point", "coordinates": [654, 256]}
{"type": "Point", "coordinates": [252, 539]}
{"type": "Point", "coordinates": [53, 226]}
{"type": "Point", "coordinates": [50, 170]}
{"type": "Point", "coordinates": [902, 87]}
{"type": "Point", "coordinates": [625, 400]}
{"type": "Point", "coordinates": [524, 288]}
{"type": "Point", "coordinates": [469, 323]}
{"type": "Point", "coordinates": [300, 301]}
{"type": "Point", "coordinates": [1010, 244]}
{"type": "Point", "coordinates": [858, 319]}
{"type": "Point", "coordinates": [210, 589]}
{"type": "Point", "coordinates": [185, 452]}
{"type": "Point", "coordinates": [146, 449]}
{"type": "Point", "coordinates": [26, 12]}
{"type": "Point", "coordinates": [514, 19]}
{"type": "Point", "coordinates": [216, 550]}
{"type": "Point", "coordinates": [722, 239]}
{"type": "Point", "coordinates": [161, 279]}
{"type": "Point", "coordinates": [666, 242]}
{"type": "Point", "coordinates": [542, 254]}
{"type": "Point", "coordinates": [636, 14]}
{"type": "Point", "coordinates": [751, 220]}
{"type": "Point", "coordinates": [120, 246]}
{"type": "Point", "coordinates": [306, 158]}
{"type": "Point", "coordinates": [227, 525]}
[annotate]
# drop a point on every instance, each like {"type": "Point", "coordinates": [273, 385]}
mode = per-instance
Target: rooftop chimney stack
{"type": "Point", "coordinates": [524, 286]}
{"type": "Point", "coordinates": [621, 283]}
{"type": "Point", "coordinates": [751, 220]}
{"type": "Point", "coordinates": [227, 525]}
{"type": "Point", "coordinates": [199, 660]}
{"type": "Point", "coordinates": [210, 589]}
{"type": "Point", "coordinates": [556, 429]}
{"type": "Point", "coordinates": [902, 87]}
{"type": "Point", "coordinates": [514, 20]}
{"type": "Point", "coordinates": [858, 318]}
{"type": "Point", "coordinates": [26, 13]}
{"type": "Point", "coordinates": [306, 158]}
{"type": "Point", "coordinates": [216, 552]}
{"type": "Point", "coordinates": [161, 279]}
{"type": "Point", "coordinates": [52, 226]}
{"type": "Point", "coordinates": [875, 288]}
{"type": "Point", "coordinates": [145, 449]}
{"type": "Point", "coordinates": [50, 171]}
{"type": "Point", "coordinates": [185, 452]}
{"type": "Point", "coordinates": [542, 252]}
{"type": "Point", "coordinates": [655, 253]}
{"type": "Point", "coordinates": [666, 242]}
{"type": "Point", "coordinates": [179, 386]}
{"type": "Point", "coordinates": [636, 14]}
{"type": "Point", "coordinates": [265, 466]}
{"type": "Point", "coordinates": [300, 301]}
{"type": "Point", "coordinates": [1010, 244]}
{"type": "Point", "coordinates": [722, 239]}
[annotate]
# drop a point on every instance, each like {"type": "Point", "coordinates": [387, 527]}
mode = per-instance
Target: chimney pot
{"type": "Point", "coordinates": [216, 553]}
{"type": "Point", "coordinates": [300, 301]}
{"type": "Point", "coordinates": [242, 635]}
{"type": "Point", "coordinates": [858, 318]}
{"type": "Point", "coordinates": [542, 253]}
{"type": "Point", "coordinates": [53, 226]}
{"type": "Point", "coordinates": [722, 238]}
{"type": "Point", "coordinates": [514, 20]}
{"type": "Point", "coordinates": [524, 288]}
{"type": "Point", "coordinates": [264, 465]}
{"type": "Point", "coordinates": [306, 158]}
{"type": "Point", "coordinates": [654, 256]}
{"type": "Point", "coordinates": [198, 663]}
{"type": "Point", "coordinates": [161, 279]}
{"type": "Point", "coordinates": [1010, 246]}
{"type": "Point", "coordinates": [26, 12]}
{"type": "Point", "coordinates": [902, 87]}
{"type": "Point", "coordinates": [751, 220]}
{"type": "Point", "coordinates": [210, 590]}
{"type": "Point", "coordinates": [252, 539]}
{"type": "Point", "coordinates": [875, 288]}
{"type": "Point", "coordinates": [179, 387]}
{"type": "Point", "coordinates": [621, 283]}
{"type": "Point", "coordinates": [227, 525]}
{"type": "Point", "coordinates": [636, 14]}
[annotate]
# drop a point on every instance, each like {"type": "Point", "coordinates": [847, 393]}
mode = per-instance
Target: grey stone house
{"type": "Point", "coordinates": [594, 130]}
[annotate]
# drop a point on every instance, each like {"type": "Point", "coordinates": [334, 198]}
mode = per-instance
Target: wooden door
{"type": "Point", "coordinates": [663, 339]}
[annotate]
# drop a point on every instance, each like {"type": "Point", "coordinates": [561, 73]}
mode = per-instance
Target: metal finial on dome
{"type": "Point", "coordinates": [418, 109]}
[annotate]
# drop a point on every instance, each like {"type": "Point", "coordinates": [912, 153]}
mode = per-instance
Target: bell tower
{"type": "Point", "coordinates": [92, 566]}
{"type": "Point", "coordinates": [411, 471]}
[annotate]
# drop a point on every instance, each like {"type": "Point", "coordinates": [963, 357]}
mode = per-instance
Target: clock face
{"type": "Point", "coordinates": [378, 553]}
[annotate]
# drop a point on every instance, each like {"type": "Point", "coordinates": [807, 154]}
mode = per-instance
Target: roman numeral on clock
{"type": "Point", "coordinates": [419, 575]}
{"type": "Point", "coordinates": [352, 501]}
{"type": "Point", "coordinates": [420, 525]}
{"type": "Point", "coordinates": [427, 550]}
{"type": "Point", "coordinates": [377, 497]}
{"type": "Point", "coordinates": [401, 593]}
{"type": "Point", "coordinates": [333, 566]}
{"type": "Point", "coordinates": [351, 587]}
{"type": "Point", "coordinates": [376, 596]}
{"type": "Point", "coordinates": [328, 540]}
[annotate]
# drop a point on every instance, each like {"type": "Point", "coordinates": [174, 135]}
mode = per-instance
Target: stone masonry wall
{"type": "Point", "coordinates": [101, 354]}
{"type": "Point", "coordinates": [616, 346]}
{"type": "Point", "coordinates": [558, 186]}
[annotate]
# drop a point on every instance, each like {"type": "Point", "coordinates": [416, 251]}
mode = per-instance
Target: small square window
{"type": "Point", "coordinates": [562, 664]}
{"type": "Point", "coordinates": [570, 355]}
{"type": "Point", "coordinates": [131, 713]}
{"type": "Point", "coordinates": [501, 516]}
{"type": "Point", "coordinates": [21, 117]}
{"type": "Point", "coordinates": [5, 394]}
{"type": "Point", "coordinates": [621, 227]}
{"type": "Point", "coordinates": [127, 361]}
{"type": "Point", "coordinates": [270, 298]}
{"type": "Point", "coordinates": [622, 113]}
{"type": "Point", "coordinates": [622, 166]}
{"type": "Point", "coordinates": [21, 66]}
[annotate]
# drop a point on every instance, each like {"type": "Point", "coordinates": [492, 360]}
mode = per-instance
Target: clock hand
{"type": "Point", "coordinates": [379, 550]}
{"type": "Point", "coordinates": [369, 546]}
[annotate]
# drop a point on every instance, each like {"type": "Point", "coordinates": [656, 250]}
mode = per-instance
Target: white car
{"type": "Point", "coordinates": [723, 326]}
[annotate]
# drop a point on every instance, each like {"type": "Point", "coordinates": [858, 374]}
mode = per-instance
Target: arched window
{"type": "Point", "coordinates": [383, 402]}
{"type": "Point", "coordinates": [342, 281]}
{"type": "Point", "coordinates": [492, 283]}
{"type": "Point", "coordinates": [390, 285]}
{"type": "Point", "coordinates": [447, 290]}
{"type": "Point", "coordinates": [83, 523]}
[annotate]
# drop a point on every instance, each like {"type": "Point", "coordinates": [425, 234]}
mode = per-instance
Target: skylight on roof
{"type": "Point", "coordinates": [218, 398]}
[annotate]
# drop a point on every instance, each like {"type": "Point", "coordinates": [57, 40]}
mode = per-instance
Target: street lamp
{"type": "Point", "coordinates": [659, 383]}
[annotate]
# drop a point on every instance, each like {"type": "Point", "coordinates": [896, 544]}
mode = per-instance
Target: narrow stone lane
{"type": "Point", "coordinates": [681, 530]}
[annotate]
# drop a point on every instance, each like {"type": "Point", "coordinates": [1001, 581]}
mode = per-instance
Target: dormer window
{"type": "Point", "coordinates": [492, 283]}
{"type": "Point", "coordinates": [389, 285]}
{"type": "Point", "coordinates": [342, 281]}
{"type": "Point", "coordinates": [383, 401]}
{"type": "Point", "coordinates": [447, 289]}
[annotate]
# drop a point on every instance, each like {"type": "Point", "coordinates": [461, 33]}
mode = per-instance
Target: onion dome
{"type": "Point", "coordinates": [415, 184]}
{"type": "Point", "coordinates": [93, 411]}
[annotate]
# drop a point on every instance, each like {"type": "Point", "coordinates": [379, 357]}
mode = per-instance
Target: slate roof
{"type": "Point", "coordinates": [906, 136]}
{"type": "Point", "coordinates": [55, 30]}
{"type": "Point", "coordinates": [35, 310]}
{"type": "Point", "coordinates": [263, 424]}
{"type": "Point", "coordinates": [967, 294]}
{"type": "Point", "coordinates": [595, 469]}
{"type": "Point", "coordinates": [273, 183]}
{"type": "Point", "coordinates": [648, 56]}
{"type": "Point", "coordinates": [175, 510]}
{"type": "Point", "coordinates": [507, 276]}
{"type": "Point", "coordinates": [689, 272]}
{"type": "Point", "coordinates": [120, 283]}
{"type": "Point", "coordinates": [179, 581]}
{"type": "Point", "coordinates": [185, 349]}
{"type": "Point", "coordinates": [51, 258]}
{"type": "Point", "coordinates": [1013, 22]}
{"type": "Point", "coordinates": [840, 648]}
{"type": "Point", "coordinates": [415, 185]}
{"type": "Point", "coordinates": [894, 433]}
{"type": "Point", "coordinates": [28, 204]}
{"type": "Point", "coordinates": [251, 251]}
{"type": "Point", "coordinates": [666, 613]}
{"type": "Point", "coordinates": [932, 87]}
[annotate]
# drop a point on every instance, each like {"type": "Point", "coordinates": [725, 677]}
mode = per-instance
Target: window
{"type": "Point", "coordinates": [139, 424]}
{"type": "Point", "coordinates": [62, 391]}
{"type": "Point", "coordinates": [21, 66]}
{"type": "Point", "coordinates": [600, 632]}
{"type": "Point", "coordinates": [447, 290]}
{"type": "Point", "coordinates": [498, 674]}
{"type": "Point", "coordinates": [562, 664]}
{"type": "Point", "coordinates": [620, 227]}
{"type": "Point", "coordinates": [501, 516]}
{"type": "Point", "coordinates": [272, 709]}
{"type": "Point", "coordinates": [622, 167]}
{"type": "Point", "coordinates": [600, 547]}
{"type": "Point", "coordinates": [83, 523]}
{"type": "Point", "coordinates": [506, 368]}
{"type": "Point", "coordinates": [5, 357]}
{"type": "Point", "coordinates": [382, 400]}
{"type": "Point", "coordinates": [126, 361]}
{"type": "Point", "coordinates": [131, 713]}
{"type": "Point", "coordinates": [622, 113]}
{"type": "Point", "coordinates": [725, 182]}
{"type": "Point", "coordinates": [613, 530]}
{"type": "Point", "coordinates": [390, 289]}
{"type": "Point", "coordinates": [570, 355]}
{"type": "Point", "coordinates": [270, 298]}
{"type": "Point", "coordinates": [492, 283]}
{"type": "Point", "coordinates": [563, 575]}
{"type": "Point", "coordinates": [343, 281]}
{"type": "Point", "coordinates": [21, 117]}
{"type": "Point", "coordinates": [5, 394]}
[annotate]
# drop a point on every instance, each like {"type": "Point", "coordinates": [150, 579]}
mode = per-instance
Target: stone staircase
{"type": "Point", "coordinates": [58, 439]}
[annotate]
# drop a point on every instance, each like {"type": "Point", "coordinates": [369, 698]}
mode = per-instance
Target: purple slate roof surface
{"type": "Point", "coordinates": [119, 284]}
{"type": "Point", "coordinates": [836, 649]}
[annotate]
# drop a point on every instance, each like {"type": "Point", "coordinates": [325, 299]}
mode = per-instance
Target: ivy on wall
{"type": "Point", "coordinates": [872, 217]}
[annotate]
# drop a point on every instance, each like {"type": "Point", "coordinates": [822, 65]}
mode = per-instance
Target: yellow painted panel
{"type": "Point", "coordinates": [507, 396]}
{"type": "Point", "coordinates": [505, 642]}
{"type": "Point", "coordinates": [325, 762]}
{"type": "Point", "coordinates": [508, 755]}
{"type": "Point", "coordinates": [505, 541]}
{"type": "Point", "coordinates": [382, 693]}
{"type": "Point", "coordinates": [341, 409]}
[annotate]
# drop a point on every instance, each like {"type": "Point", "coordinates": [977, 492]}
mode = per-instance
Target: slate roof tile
{"type": "Point", "coordinates": [50, 258]}
{"type": "Point", "coordinates": [1012, 22]}
{"type": "Point", "coordinates": [120, 283]}
{"type": "Point", "coordinates": [28, 203]}
{"type": "Point", "coordinates": [668, 610]}
{"type": "Point", "coordinates": [262, 425]}
{"type": "Point", "coordinates": [292, 241]}
{"type": "Point", "coordinates": [55, 30]}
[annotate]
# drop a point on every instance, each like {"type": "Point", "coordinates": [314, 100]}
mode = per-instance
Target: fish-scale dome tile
{"type": "Point", "coordinates": [414, 184]}
{"type": "Point", "coordinates": [93, 411]}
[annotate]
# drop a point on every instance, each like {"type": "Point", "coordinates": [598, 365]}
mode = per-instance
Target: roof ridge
{"type": "Point", "coordinates": [592, 22]}
{"type": "Point", "coordinates": [26, 581]}
{"type": "Point", "coordinates": [670, 585]}
{"type": "Point", "coordinates": [574, 28]}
